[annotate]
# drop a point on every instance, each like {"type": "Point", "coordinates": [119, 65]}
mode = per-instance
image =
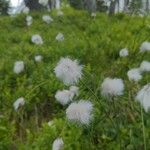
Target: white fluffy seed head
{"type": "Point", "coordinates": [69, 71]}
{"type": "Point", "coordinates": [38, 58]}
{"type": "Point", "coordinates": [145, 46]}
{"type": "Point", "coordinates": [74, 90]}
{"type": "Point", "coordinates": [29, 20]}
{"type": "Point", "coordinates": [93, 14]}
{"type": "Point", "coordinates": [58, 144]}
{"type": "Point", "coordinates": [60, 13]}
{"type": "Point", "coordinates": [123, 52]}
{"type": "Point", "coordinates": [36, 39]}
{"type": "Point", "coordinates": [80, 112]}
{"type": "Point", "coordinates": [43, 2]}
{"type": "Point", "coordinates": [145, 66]}
{"type": "Point", "coordinates": [50, 123]}
{"type": "Point", "coordinates": [112, 87]}
{"type": "Point", "coordinates": [18, 103]}
{"type": "Point", "coordinates": [64, 97]}
{"type": "Point", "coordinates": [25, 10]}
{"type": "Point", "coordinates": [60, 37]}
{"type": "Point", "coordinates": [143, 96]}
{"type": "Point", "coordinates": [134, 74]}
{"type": "Point", "coordinates": [18, 67]}
{"type": "Point", "coordinates": [47, 19]}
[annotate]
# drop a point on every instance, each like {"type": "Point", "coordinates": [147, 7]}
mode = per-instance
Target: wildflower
{"type": "Point", "coordinates": [47, 19]}
{"type": "Point", "coordinates": [43, 2]}
{"type": "Point", "coordinates": [36, 39]}
{"type": "Point", "coordinates": [25, 10]}
{"type": "Point", "coordinates": [50, 123]}
{"type": "Point", "coordinates": [38, 58]}
{"type": "Point", "coordinates": [18, 67]}
{"type": "Point", "coordinates": [69, 71]}
{"type": "Point", "coordinates": [80, 112]}
{"type": "Point", "coordinates": [74, 90]}
{"type": "Point", "coordinates": [134, 74]}
{"type": "Point", "coordinates": [58, 144]}
{"type": "Point", "coordinates": [143, 96]}
{"type": "Point", "coordinates": [145, 66]}
{"type": "Point", "coordinates": [112, 87]}
{"type": "Point", "coordinates": [64, 97]}
{"type": "Point", "coordinates": [60, 13]}
{"type": "Point", "coordinates": [60, 37]}
{"type": "Point", "coordinates": [93, 14]}
{"type": "Point", "coordinates": [29, 20]}
{"type": "Point", "coordinates": [123, 52]}
{"type": "Point", "coordinates": [18, 103]}
{"type": "Point", "coordinates": [145, 46]}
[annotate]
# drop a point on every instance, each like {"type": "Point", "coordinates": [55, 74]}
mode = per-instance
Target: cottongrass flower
{"type": "Point", "coordinates": [19, 103]}
{"type": "Point", "coordinates": [38, 58]}
{"type": "Point", "coordinates": [64, 97]}
{"type": "Point", "coordinates": [60, 13]}
{"type": "Point", "coordinates": [58, 144]}
{"type": "Point", "coordinates": [18, 67]}
{"type": "Point", "coordinates": [36, 39]}
{"type": "Point", "coordinates": [60, 37]}
{"type": "Point", "coordinates": [50, 123]}
{"type": "Point", "coordinates": [112, 87]}
{"type": "Point", "coordinates": [29, 20]}
{"type": "Point", "coordinates": [25, 10]}
{"type": "Point", "coordinates": [47, 19]}
{"type": "Point", "coordinates": [123, 52]}
{"type": "Point", "coordinates": [43, 2]}
{"type": "Point", "coordinates": [134, 74]}
{"type": "Point", "coordinates": [93, 14]}
{"type": "Point", "coordinates": [145, 46]}
{"type": "Point", "coordinates": [143, 96]}
{"type": "Point", "coordinates": [69, 71]}
{"type": "Point", "coordinates": [74, 90]}
{"type": "Point", "coordinates": [80, 112]}
{"type": "Point", "coordinates": [145, 66]}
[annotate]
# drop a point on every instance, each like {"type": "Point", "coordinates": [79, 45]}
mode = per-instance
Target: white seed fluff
{"type": "Point", "coordinates": [123, 52]}
{"type": "Point", "coordinates": [80, 111]}
{"type": "Point", "coordinates": [60, 13]}
{"type": "Point", "coordinates": [69, 71]}
{"type": "Point", "coordinates": [112, 87]}
{"type": "Point", "coordinates": [18, 103]}
{"type": "Point", "coordinates": [60, 37]}
{"type": "Point", "coordinates": [47, 19]}
{"type": "Point", "coordinates": [43, 2]}
{"type": "Point", "coordinates": [50, 123]}
{"type": "Point", "coordinates": [64, 97]}
{"type": "Point", "coordinates": [36, 39]}
{"type": "Point", "coordinates": [29, 20]}
{"type": "Point", "coordinates": [93, 14]}
{"type": "Point", "coordinates": [74, 90]}
{"type": "Point", "coordinates": [143, 96]}
{"type": "Point", "coordinates": [25, 10]}
{"type": "Point", "coordinates": [38, 58]}
{"type": "Point", "coordinates": [145, 46]}
{"type": "Point", "coordinates": [58, 144]}
{"type": "Point", "coordinates": [18, 67]}
{"type": "Point", "coordinates": [134, 74]}
{"type": "Point", "coordinates": [145, 66]}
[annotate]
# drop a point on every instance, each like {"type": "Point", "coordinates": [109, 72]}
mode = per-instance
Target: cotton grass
{"type": "Point", "coordinates": [145, 66]}
{"type": "Point", "coordinates": [19, 103]}
{"type": "Point", "coordinates": [143, 96]}
{"type": "Point", "coordinates": [18, 67]}
{"type": "Point", "coordinates": [145, 46]}
{"type": "Point", "coordinates": [69, 71]}
{"type": "Point", "coordinates": [58, 144]}
{"type": "Point", "coordinates": [60, 37]}
{"type": "Point", "coordinates": [112, 87]}
{"type": "Point", "coordinates": [123, 52]}
{"type": "Point", "coordinates": [47, 19]}
{"type": "Point", "coordinates": [29, 20]}
{"type": "Point", "coordinates": [80, 112]}
{"type": "Point", "coordinates": [36, 39]}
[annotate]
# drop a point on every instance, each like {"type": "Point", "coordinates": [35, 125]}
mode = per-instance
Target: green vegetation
{"type": "Point", "coordinates": [96, 44]}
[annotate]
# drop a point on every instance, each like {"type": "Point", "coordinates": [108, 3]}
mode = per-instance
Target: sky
{"type": "Point", "coordinates": [15, 3]}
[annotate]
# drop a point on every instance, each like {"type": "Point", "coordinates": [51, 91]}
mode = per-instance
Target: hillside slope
{"type": "Point", "coordinates": [95, 43]}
